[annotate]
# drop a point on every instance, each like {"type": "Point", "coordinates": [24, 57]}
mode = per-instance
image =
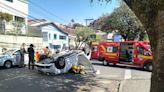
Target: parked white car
{"type": "Point", "coordinates": [10, 58]}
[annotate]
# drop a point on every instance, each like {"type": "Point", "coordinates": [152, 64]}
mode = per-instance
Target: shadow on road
{"type": "Point", "coordinates": [24, 80]}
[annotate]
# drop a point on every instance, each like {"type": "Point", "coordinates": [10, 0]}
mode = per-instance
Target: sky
{"type": "Point", "coordinates": [63, 11]}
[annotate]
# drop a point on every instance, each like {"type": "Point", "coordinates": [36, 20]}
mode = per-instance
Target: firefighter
{"type": "Point", "coordinates": [127, 56]}
{"type": "Point", "coordinates": [37, 56]}
{"type": "Point", "coordinates": [46, 51]}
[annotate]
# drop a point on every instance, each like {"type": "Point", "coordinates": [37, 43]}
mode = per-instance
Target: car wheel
{"type": "Point", "coordinates": [101, 59]}
{"type": "Point", "coordinates": [105, 63]}
{"type": "Point", "coordinates": [8, 64]}
{"type": "Point", "coordinates": [60, 63]}
{"type": "Point", "coordinates": [149, 67]}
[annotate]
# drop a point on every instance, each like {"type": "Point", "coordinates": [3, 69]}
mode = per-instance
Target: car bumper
{"type": "Point", "coordinates": [1, 63]}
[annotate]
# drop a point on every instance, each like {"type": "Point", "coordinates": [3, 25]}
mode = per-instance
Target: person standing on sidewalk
{"type": "Point", "coordinates": [31, 56]}
{"type": "Point", "coordinates": [22, 52]}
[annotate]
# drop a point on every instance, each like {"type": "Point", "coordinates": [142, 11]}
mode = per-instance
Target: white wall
{"type": "Point", "coordinates": [16, 5]}
{"type": "Point", "coordinates": [8, 41]}
{"type": "Point", "coordinates": [52, 30]}
{"type": "Point", "coordinates": [15, 8]}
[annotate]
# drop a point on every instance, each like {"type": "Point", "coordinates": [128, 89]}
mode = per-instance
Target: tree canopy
{"type": "Point", "coordinates": [5, 16]}
{"type": "Point", "coordinates": [123, 20]}
{"type": "Point", "coordinates": [84, 35]}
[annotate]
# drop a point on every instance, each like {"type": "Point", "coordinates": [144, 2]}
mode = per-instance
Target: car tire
{"type": "Point", "coordinates": [149, 67]}
{"type": "Point", "coordinates": [7, 64]}
{"type": "Point", "coordinates": [60, 63]}
{"type": "Point", "coordinates": [101, 58]}
{"type": "Point", "coordinates": [105, 63]}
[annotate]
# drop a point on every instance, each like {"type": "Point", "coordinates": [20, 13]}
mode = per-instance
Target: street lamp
{"type": "Point", "coordinates": [86, 20]}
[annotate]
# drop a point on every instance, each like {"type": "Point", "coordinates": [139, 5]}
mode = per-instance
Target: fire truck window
{"type": "Point", "coordinates": [141, 50]}
{"type": "Point", "coordinates": [115, 49]}
{"type": "Point", "coordinates": [146, 53]}
{"type": "Point", "coordinates": [112, 49]}
{"type": "Point", "coordinates": [94, 48]}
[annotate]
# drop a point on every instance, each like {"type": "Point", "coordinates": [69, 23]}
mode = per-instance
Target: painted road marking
{"type": "Point", "coordinates": [127, 74]}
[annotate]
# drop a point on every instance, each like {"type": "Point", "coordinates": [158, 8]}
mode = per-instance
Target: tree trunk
{"type": "Point", "coordinates": [152, 16]}
{"type": "Point", "coordinates": [157, 80]}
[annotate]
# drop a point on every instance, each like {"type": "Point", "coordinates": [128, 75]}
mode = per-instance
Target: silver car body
{"type": "Point", "coordinates": [71, 58]}
{"type": "Point", "coordinates": [12, 55]}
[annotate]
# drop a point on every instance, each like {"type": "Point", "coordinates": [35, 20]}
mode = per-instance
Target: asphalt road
{"type": "Point", "coordinates": [108, 79]}
{"type": "Point", "coordinates": [131, 79]}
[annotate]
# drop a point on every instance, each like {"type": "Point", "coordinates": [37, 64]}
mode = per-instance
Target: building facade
{"type": "Point", "coordinates": [52, 35]}
{"type": "Point", "coordinates": [17, 13]}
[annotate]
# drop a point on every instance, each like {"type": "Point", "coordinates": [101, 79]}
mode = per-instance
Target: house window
{"type": "Point", "coordinates": [62, 37]}
{"type": "Point", "coordinates": [19, 19]}
{"type": "Point", "coordinates": [10, 0]}
{"type": "Point", "coordinates": [57, 46]}
{"type": "Point", "coordinates": [55, 36]}
{"type": "Point", "coordinates": [49, 36]}
{"type": "Point", "coordinates": [45, 36]}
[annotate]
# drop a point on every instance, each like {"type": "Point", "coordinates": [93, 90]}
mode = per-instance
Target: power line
{"type": "Point", "coordinates": [20, 12]}
{"type": "Point", "coordinates": [50, 13]}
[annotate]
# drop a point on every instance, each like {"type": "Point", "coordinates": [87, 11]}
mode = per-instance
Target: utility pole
{"type": "Point", "coordinates": [86, 21]}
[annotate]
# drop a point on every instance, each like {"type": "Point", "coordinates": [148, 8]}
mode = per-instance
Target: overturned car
{"type": "Point", "coordinates": [63, 62]}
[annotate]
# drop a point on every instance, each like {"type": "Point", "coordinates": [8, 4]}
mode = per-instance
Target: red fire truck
{"type": "Point", "coordinates": [133, 53]}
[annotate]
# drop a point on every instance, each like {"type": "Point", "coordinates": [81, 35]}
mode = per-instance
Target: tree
{"type": "Point", "coordinates": [77, 25]}
{"type": "Point", "coordinates": [151, 14]}
{"type": "Point", "coordinates": [83, 36]}
{"type": "Point", "coordinates": [123, 20]}
{"type": "Point", "coordinates": [5, 16]}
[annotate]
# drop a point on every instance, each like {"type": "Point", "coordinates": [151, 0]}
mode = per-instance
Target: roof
{"type": "Point", "coordinates": [43, 22]}
{"type": "Point", "coordinates": [53, 24]}
{"type": "Point", "coordinates": [68, 30]}
{"type": "Point", "coordinates": [35, 21]}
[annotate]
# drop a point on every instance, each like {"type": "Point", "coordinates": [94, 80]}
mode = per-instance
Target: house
{"type": "Point", "coordinates": [71, 35]}
{"type": "Point", "coordinates": [52, 35]}
{"type": "Point", "coordinates": [17, 13]}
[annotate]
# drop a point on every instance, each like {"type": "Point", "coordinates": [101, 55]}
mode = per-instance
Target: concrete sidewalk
{"type": "Point", "coordinates": [135, 85]}
{"type": "Point", "coordinates": [99, 85]}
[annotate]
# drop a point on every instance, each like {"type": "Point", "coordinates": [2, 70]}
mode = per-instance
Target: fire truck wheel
{"type": "Point", "coordinates": [105, 63]}
{"type": "Point", "coordinates": [149, 67]}
{"type": "Point", "coordinates": [101, 58]}
{"type": "Point", "coordinates": [60, 63]}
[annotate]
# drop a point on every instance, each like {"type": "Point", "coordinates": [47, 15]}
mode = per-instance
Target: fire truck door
{"type": "Point", "coordinates": [94, 53]}
{"type": "Point", "coordinates": [112, 53]}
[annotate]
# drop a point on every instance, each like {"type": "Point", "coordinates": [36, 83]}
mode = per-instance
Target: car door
{"type": "Point", "coordinates": [17, 57]}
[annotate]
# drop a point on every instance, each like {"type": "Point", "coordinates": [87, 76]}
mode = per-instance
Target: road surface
{"type": "Point", "coordinates": [107, 79]}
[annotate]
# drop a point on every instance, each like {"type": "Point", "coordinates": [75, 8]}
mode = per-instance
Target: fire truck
{"type": "Point", "coordinates": [129, 53]}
